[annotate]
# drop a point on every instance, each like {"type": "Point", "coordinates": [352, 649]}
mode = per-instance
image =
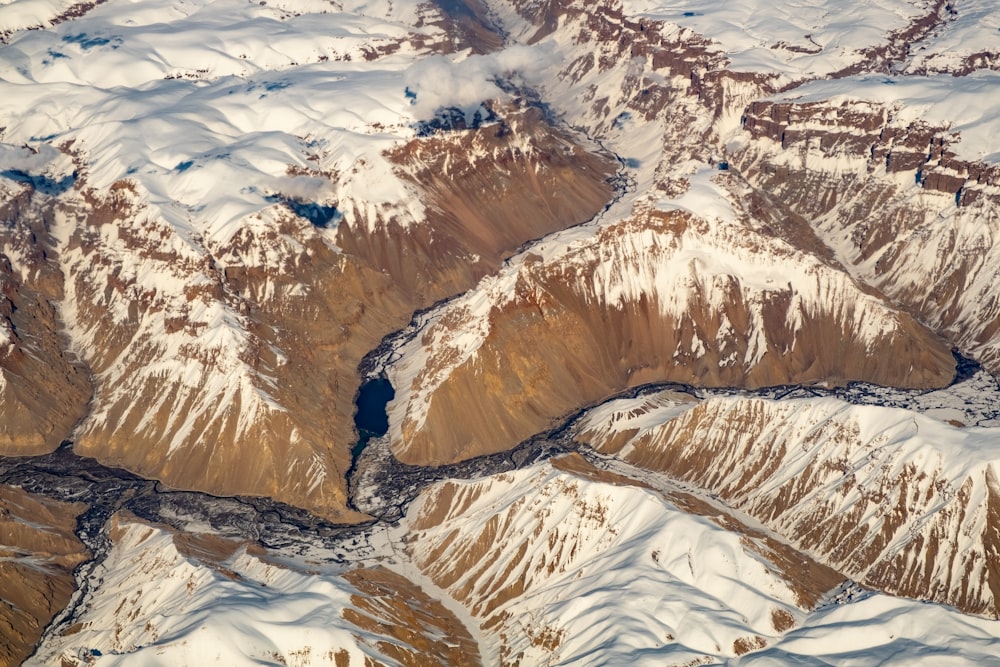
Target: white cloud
{"type": "Point", "coordinates": [439, 81]}
{"type": "Point", "coordinates": [35, 160]}
{"type": "Point", "coordinates": [300, 188]}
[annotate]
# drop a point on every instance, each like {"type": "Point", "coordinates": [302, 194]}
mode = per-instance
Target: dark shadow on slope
{"type": "Point", "coordinates": [43, 184]}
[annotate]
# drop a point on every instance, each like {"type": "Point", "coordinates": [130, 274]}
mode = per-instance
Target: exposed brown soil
{"type": "Point", "coordinates": [38, 552]}
{"type": "Point", "coordinates": [418, 630]}
{"type": "Point", "coordinates": [535, 180]}
{"type": "Point", "coordinates": [556, 346]}
{"type": "Point", "coordinates": [467, 25]}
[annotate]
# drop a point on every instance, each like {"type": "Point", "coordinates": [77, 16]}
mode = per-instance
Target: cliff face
{"type": "Point", "coordinates": [664, 296]}
{"type": "Point", "coordinates": [39, 552]}
{"type": "Point", "coordinates": [903, 201]}
{"type": "Point", "coordinates": [893, 499]}
{"type": "Point", "coordinates": [869, 190]}
{"type": "Point", "coordinates": [200, 247]}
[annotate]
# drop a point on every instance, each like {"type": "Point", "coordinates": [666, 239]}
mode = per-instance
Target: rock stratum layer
{"type": "Point", "coordinates": [893, 499]}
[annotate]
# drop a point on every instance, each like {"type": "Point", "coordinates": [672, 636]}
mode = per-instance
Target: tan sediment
{"type": "Point", "coordinates": [39, 552]}
{"type": "Point", "coordinates": [307, 343]}
{"type": "Point", "coordinates": [418, 630]}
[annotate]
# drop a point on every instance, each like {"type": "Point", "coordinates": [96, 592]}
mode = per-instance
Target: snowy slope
{"type": "Point", "coordinates": [806, 40]}
{"type": "Point", "coordinates": [197, 158]}
{"type": "Point", "coordinates": [165, 599]}
{"type": "Point", "coordinates": [890, 497]}
{"type": "Point", "coordinates": [235, 206]}
{"type": "Point", "coordinates": [694, 288]}
{"type": "Point", "coordinates": [559, 563]}
{"type": "Point", "coordinates": [899, 178]}
{"type": "Point", "coordinates": [879, 630]}
{"type": "Point", "coordinates": [562, 570]}
{"type": "Point", "coordinates": [668, 109]}
{"type": "Point", "coordinates": [962, 107]}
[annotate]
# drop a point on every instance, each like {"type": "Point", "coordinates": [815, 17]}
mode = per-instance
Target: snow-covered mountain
{"type": "Point", "coordinates": [237, 220]}
{"type": "Point", "coordinates": [690, 290]}
{"type": "Point", "coordinates": [221, 218]}
{"type": "Point", "coordinates": [561, 564]}
{"type": "Point", "coordinates": [175, 599]}
{"type": "Point", "coordinates": [890, 497]}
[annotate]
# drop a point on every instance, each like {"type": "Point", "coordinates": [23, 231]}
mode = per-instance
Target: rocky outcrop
{"type": "Point", "coordinates": [893, 499]}
{"type": "Point", "coordinates": [38, 552]}
{"type": "Point", "coordinates": [665, 296]}
{"type": "Point", "coordinates": [487, 190]}
{"type": "Point", "coordinates": [895, 201]}
{"type": "Point", "coordinates": [43, 389]}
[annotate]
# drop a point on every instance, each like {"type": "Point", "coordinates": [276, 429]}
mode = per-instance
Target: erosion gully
{"type": "Point", "coordinates": [378, 484]}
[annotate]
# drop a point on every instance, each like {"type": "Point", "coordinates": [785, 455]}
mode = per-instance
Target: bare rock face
{"type": "Point", "coordinates": [43, 389]}
{"type": "Point", "coordinates": [39, 552]}
{"type": "Point", "coordinates": [664, 296]}
{"type": "Point", "coordinates": [895, 202]}
{"type": "Point", "coordinates": [228, 364]}
{"type": "Point", "coordinates": [895, 500]}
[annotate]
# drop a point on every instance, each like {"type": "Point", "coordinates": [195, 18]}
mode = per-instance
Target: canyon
{"type": "Point", "coordinates": [681, 325]}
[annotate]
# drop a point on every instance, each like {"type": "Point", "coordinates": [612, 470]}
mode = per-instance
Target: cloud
{"type": "Point", "coordinates": [36, 160]}
{"type": "Point", "coordinates": [300, 188]}
{"type": "Point", "coordinates": [439, 81]}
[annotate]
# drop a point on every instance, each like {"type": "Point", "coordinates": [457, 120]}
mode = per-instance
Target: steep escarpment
{"type": "Point", "coordinates": [38, 552]}
{"type": "Point", "coordinates": [247, 351]}
{"type": "Point", "coordinates": [663, 296]}
{"type": "Point", "coordinates": [213, 212]}
{"type": "Point", "coordinates": [894, 499]}
{"type": "Point", "coordinates": [908, 203]}
{"type": "Point", "coordinates": [43, 388]}
{"type": "Point", "coordinates": [183, 379]}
